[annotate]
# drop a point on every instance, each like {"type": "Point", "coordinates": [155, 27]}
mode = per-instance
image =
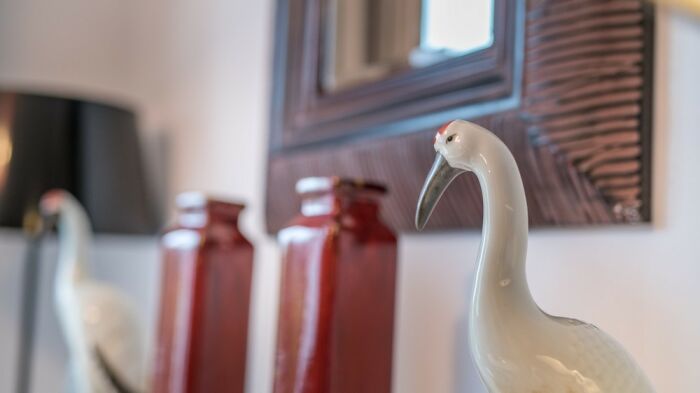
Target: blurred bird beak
{"type": "Point", "coordinates": [440, 176]}
{"type": "Point", "coordinates": [33, 223]}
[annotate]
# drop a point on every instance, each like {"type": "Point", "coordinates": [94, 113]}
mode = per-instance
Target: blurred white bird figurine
{"type": "Point", "coordinates": [517, 347]}
{"type": "Point", "coordinates": [98, 323]}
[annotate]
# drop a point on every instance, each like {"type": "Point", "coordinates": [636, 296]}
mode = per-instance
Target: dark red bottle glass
{"type": "Point", "coordinates": [336, 316]}
{"type": "Point", "coordinates": [205, 295]}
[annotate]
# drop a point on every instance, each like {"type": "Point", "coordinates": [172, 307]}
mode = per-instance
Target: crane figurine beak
{"type": "Point", "coordinates": [439, 178]}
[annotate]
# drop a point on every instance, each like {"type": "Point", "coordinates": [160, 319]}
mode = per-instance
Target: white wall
{"type": "Point", "coordinates": [200, 72]}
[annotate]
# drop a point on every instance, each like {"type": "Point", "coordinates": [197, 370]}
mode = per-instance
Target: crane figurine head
{"type": "Point", "coordinates": [52, 201]}
{"type": "Point", "coordinates": [456, 144]}
{"type": "Point", "coordinates": [58, 203]}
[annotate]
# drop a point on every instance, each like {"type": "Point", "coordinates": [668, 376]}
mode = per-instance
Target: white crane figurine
{"type": "Point", "coordinates": [98, 323]}
{"type": "Point", "coordinates": [518, 348]}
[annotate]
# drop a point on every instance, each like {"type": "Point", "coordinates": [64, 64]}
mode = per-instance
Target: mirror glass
{"type": "Point", "coordinates": [368, 40]}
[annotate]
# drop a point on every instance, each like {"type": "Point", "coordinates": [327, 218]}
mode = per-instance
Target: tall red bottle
{"type": "Point", "coordinates": [336, 315]}
{"type": "Point", "coordinates": [205, 296]}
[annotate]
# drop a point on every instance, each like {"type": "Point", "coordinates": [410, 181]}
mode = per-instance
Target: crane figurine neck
{"type": "Point", "coordinates": [74, 237]}
{"type": "Point", "coordinates": [501, 272]}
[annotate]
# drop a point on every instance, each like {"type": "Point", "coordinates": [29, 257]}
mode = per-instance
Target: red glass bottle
{"type": "Point", "coordinates": [205, 296]}
{"type": "Point", "coordinates": [336, 316]}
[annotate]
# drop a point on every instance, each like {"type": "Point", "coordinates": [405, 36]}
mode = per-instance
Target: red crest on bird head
{"type": "Point", "coordinates": [52, 200]}
{"type": "Point", "coordinates": [441, 131]}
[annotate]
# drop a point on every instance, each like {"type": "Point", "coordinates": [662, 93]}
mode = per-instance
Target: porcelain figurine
{"type": "Point", "coordinates": [517, 347]}
{"type": "Point", "coordinates": [98, 323]}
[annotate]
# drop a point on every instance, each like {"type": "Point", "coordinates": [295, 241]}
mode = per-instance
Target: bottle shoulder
{"type": "Point", "coordinates": [341, 224]}
{"type": "Point", "coordinates": [205, 236]}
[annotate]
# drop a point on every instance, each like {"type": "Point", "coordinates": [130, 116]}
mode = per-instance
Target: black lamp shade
{"type": "Point", "coordinates": [90, 149]}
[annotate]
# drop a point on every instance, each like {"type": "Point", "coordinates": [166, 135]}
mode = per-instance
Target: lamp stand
{"type": "Point", "coordinates": [28, 312]}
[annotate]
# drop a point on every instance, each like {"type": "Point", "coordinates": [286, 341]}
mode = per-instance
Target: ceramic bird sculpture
{"type": "Point", "coordinates": [98, 323]}
{"type": "Point", "coordinates": [518, 348]}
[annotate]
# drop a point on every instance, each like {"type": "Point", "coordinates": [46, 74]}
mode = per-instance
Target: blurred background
{"type": "Point", "coordinates": [198, 74]}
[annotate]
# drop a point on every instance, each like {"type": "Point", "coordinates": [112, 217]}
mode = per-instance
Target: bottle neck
{"type": "Point", "coordinates": [209, 215]}
{"type": "Point", "coordinates": [362, 205]}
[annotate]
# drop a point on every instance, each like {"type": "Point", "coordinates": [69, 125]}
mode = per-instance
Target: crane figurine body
{"type": "Point", "coordinates": [517, 347]}
{"type": "Point", "coordinates": [98, 323]}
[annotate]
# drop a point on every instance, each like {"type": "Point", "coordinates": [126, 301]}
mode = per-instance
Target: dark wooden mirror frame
{"type": "Point", "coordinates": [566, 85]}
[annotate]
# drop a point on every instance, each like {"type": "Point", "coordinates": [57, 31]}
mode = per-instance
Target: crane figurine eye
{"type": "Point", "coordinates": [450, 138]}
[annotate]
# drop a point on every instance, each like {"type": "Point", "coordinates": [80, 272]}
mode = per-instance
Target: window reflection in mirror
{"type": "Point", "coordinates": [368, 40]}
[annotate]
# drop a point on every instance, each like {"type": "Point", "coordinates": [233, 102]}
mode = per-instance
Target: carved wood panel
{"type": "Point", "coordinates": [580, 131]}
